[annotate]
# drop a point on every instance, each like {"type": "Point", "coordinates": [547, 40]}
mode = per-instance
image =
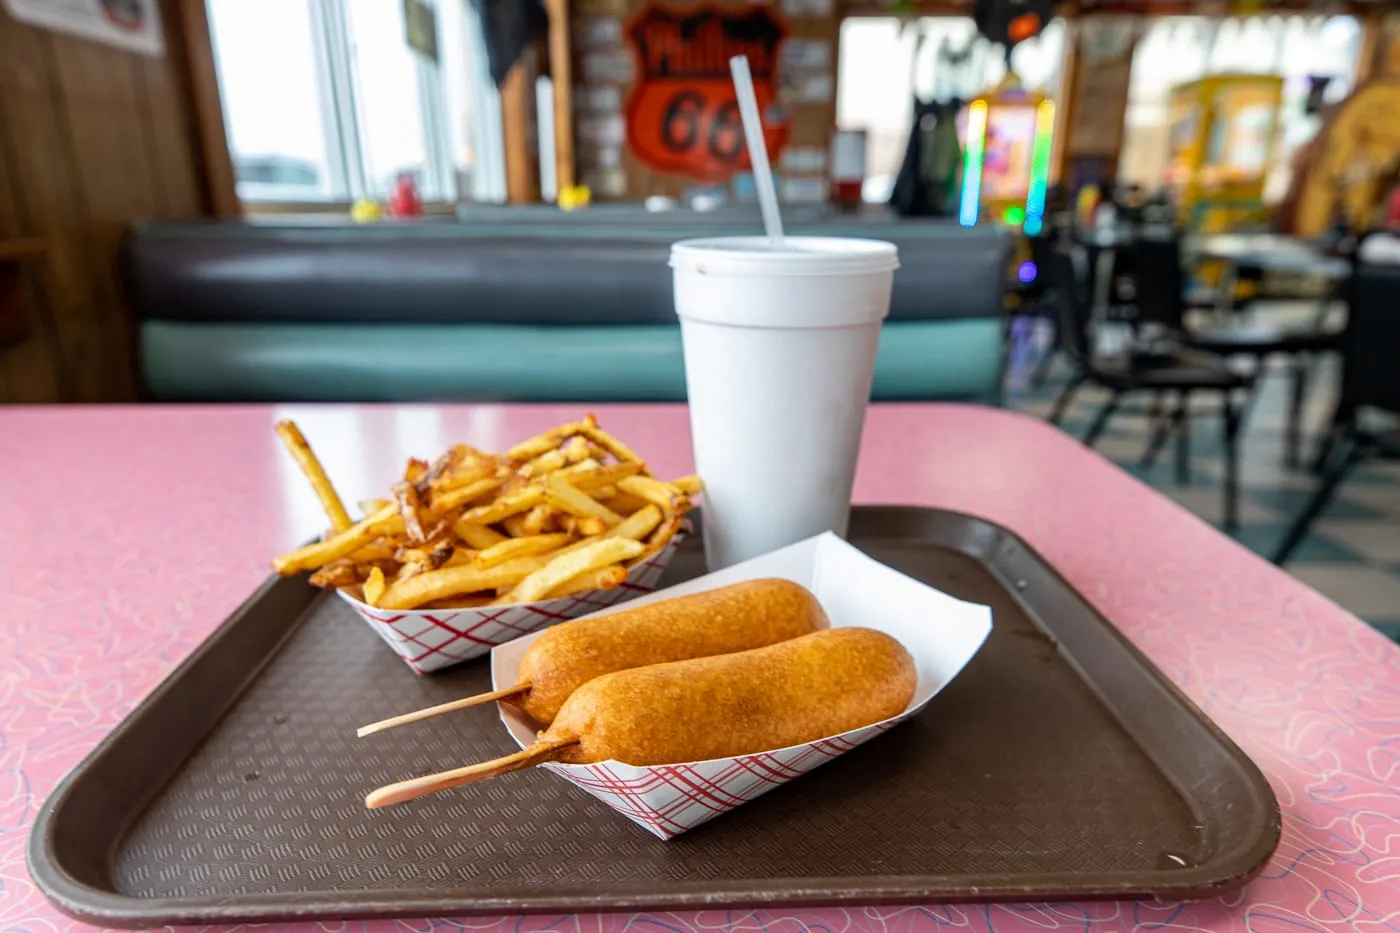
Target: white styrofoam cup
{"type": "Point", "coordinates": [779, 355]}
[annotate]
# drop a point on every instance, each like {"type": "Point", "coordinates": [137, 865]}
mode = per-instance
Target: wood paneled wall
{"type": "Point", "coordinates": [92, 138]}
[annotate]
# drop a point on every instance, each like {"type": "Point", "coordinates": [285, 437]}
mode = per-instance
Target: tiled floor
{"type": "Point", "coordinates": [1353, 553]}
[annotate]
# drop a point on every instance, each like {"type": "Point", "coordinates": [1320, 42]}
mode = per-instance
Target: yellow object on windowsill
{"type": "Point", "coordinates": [365, 211]}
{"type": "Point", "coordinates": [574, 197]}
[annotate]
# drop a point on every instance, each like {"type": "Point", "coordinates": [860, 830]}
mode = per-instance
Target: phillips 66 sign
{"type": "Point", "coordinates": [682, 115]}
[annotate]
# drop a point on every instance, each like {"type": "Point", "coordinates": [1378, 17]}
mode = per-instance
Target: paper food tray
{"type": "Point", "coordinates": [940, 632]}
{"type": "Point", "coordinates": [431, 639]}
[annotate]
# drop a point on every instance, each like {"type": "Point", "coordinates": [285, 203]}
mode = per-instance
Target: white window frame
{"type": "Point", "coordinates": [340, 119]}
{"type": "Point", "coordinates": [440, 167]}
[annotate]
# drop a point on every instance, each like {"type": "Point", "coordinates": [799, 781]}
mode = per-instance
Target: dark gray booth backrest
{"type": "Point", "coordinates": [456, 273]}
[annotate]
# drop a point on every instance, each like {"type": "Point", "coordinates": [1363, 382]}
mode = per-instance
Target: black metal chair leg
{"type": "Point", "coordinates": [1156, 423]}
{"type": "Point", "coordinates": [1355, 453]}
{"type": "Point", "coordinates": [1042, 369]}
{"type": "Point", "coordinates": [1333, 447]}
{"type": "Point", "coordinates": [1062, 402]}
{"type": "Point", "coordinates": [1166, 426]}
{"type": "Point", "coordinates": [1251, 398]}
{"type": "Point", "coordinates": [1183, 441]}
{"type": "Point", "coordinates": [1231, 414]}
{"type": "Point", "coordinates": [1295, 410]}
{"type": "Point", "coordinates": [1342, 421]}
{"type": "Point", "coordinates": [1101, 419]}
{"type": "Point", "coordinates": [1326, 447]}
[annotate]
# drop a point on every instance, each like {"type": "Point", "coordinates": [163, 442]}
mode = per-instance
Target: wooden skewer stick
{"type": "Point", "coordinates": [441, 708]}
{"type": "Point", "coordinates": [414, 788]}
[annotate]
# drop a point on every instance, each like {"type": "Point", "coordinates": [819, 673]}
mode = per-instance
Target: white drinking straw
{"type": "Point", "coordinates": [758, 149]}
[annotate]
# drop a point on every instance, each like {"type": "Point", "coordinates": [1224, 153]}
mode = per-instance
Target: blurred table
{"type": "Point", "coordinates": [1268, 252]}
{"type": "Point", "coordinates": [1271, 252]}
{"type": "Point", "coordinates": [130, 533]}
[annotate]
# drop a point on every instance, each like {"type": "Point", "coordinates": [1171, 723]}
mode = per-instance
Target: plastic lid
{"type": "Point", "coordinates": [799, 255]}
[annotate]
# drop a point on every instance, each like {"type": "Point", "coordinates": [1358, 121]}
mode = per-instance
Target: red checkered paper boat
{"type": "Point", "coordinates": [941, 633]}
{"type": "Point", "coordinates": [431, 639]}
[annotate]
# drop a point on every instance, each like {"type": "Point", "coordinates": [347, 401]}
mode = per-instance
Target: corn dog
{"type": "Point", "coordinates": [734, 618]}
{"type": "Point", "coordinates": [785, 694]}
{"type": "Point", "coordinates": [745, 615]}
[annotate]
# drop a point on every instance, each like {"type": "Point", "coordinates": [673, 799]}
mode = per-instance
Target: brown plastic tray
{"type": "Point", "coordinates": [1059, 764]}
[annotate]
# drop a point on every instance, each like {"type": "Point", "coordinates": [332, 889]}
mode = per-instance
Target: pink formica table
{"type": "Point", "coordinates": [130, 533]}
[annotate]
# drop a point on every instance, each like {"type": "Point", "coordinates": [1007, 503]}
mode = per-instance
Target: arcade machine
{"type": "Point", "coordinates": [1006, 169]}
{"type": "Point", "coordinates": [1222, 139]}
{"type": "Point", "coordinates": [1007, 146]}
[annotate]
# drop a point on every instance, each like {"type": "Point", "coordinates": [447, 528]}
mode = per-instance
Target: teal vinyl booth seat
{"type": "Point", "coordinates": [444, 311]}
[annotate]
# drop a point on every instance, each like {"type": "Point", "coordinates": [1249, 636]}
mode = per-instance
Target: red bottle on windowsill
{"type": "Point", "coordinates": [405, 202]}
{"type": "Point", "coordinates": [1392, 210]}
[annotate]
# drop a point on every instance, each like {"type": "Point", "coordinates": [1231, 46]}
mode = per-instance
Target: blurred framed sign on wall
{"type": "Point", "coordinates": [682, 115]}
{"type": "Point", "coordinates": [133, 25]}
{"type": "Point", "coordinates": [420, 28]}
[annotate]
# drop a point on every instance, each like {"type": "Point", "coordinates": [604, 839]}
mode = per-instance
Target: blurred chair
{"type": "Point", "coordinates": [1161, 304]}
{"type": "Point", "coordinates": [1370, 380]}
{"type": "Point", "coordinates": [1178, 373]}
{"type": "Point", "coordinates": [1376, 247]}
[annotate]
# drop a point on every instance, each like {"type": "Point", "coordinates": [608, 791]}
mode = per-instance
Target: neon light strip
{"type": "Point", "coordinates": [971, 205]}
{"type": "Point", "coordinates": [1040, 167]}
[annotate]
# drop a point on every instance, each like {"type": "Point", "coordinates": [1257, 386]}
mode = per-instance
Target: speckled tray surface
{"type": "Point", "coordinates": [1060, 764]}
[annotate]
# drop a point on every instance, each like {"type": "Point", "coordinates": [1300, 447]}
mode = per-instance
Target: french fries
{"type": "Point", "coordinates": [549, 440]}
{"type": "Point", "coordinates": [374, 587]}
{"type": "Point", "coordinates": [504, 507]}
{"type": "Point", "coordinates": [454, 581]}
{"type": "Point", "coordinates": [587, 463]}
{"type": "Point", "coordinates": [538, 520]}
{"type": "Point", "coordinates": [568, 511]}
{"type": "Point", "coordinates": [604, 578]}
{"type": "Point", "coordinates": [477, 535]}
{"type": "Point", "coordinates": [515, 525]}
{"type": "Point", "coordinates": [578, 448]}
{"type": "Point", "coordinates": [667, 497]}
{"type": "Point", "coordinates": [544, 463]}
{"type": "Point", "coordinates": [378, 550]}
{"type": "Point", "coordinates": [612, 445]}
{"type": "Point", "coordinates": [459, 496]}
{"type": "Point", "coordinates": [598, 554]}
{"type": "Point", "coordinates": [305, 457]}
{"type": "Point", "coordinates": [568, 498]}
{"type": "Point", "coordinates": [336, 574]}
{"type": "Point", "coordinates": [660, 538]}
{"type": "Point", "coordinates": [639, 524]}
{"type": "Point", "coordinates": [431, 557]}
{"type": "Point", "coordinates": [624, 503]}
{"type": "Point", "coordinates": [406, 495]}
{"type": "Point", "coordinates": [600, 476]}
{"type": "Point", "coordinates": [386, 521]}
{"type": "Point", "coordinates": [459, 602]}
{"type": "Point", "coordinates": [367, 506]}
{"type": "Point", "coordinates": [634, 527]}
{"type": "Point", "coordinates": [690, 485]}
{"type": "Point", "coordinates": [591, 526]}
{"type": "Point", "coordinates": [512, 548]}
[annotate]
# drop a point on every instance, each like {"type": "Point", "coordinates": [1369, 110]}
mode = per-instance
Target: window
{"type": "Point", "coordinates": [885, 63]}
{"type": "Point", "coordinates": [1178, 49]}
{"type": "Point", "coordinates": [324, 100]}
{"type": "Point", "coordinates": [272, 107]}
{"type": "Point", "coordinates": [474, 141]}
